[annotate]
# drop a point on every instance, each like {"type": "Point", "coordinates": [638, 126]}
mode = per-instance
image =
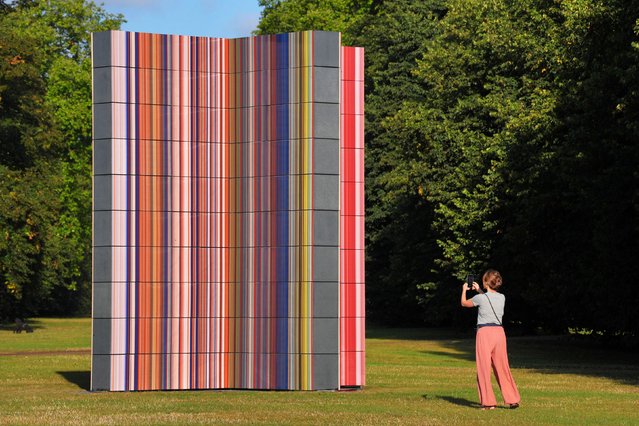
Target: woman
{"type": "Point", "coordinates": [490, 345]}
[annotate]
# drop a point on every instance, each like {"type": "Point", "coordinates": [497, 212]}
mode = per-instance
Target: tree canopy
{"type": "Point", "coordinates": [45, 155]}
{"type": "Point", "coordinates": [499, 134]}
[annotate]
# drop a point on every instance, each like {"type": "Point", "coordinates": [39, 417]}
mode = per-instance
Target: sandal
{"type": "Point", "coordinates": [515, 405]}
{"type": "Point", "coordinates": [487, 407]}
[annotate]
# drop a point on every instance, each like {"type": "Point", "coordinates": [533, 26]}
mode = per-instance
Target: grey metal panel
{"type": "Point", "coordinates": [101, 336]}
{"type": "Point", "coordinates": [326, 83]}
{"type": "Point", "coordinates": [102, 264]}
{"type": "Point", "coordinates": [102, 225]}
{"type": "Point", "coordinates": [102, 299]}
{"type": "Point", "coordinates": [326, 156]}
{"type": "Point", "coordinates": [326, 122]}
{"type": "Point", "coordinates": [102, 192]}
{"type": "Point", "coordinates": [102, 91]}
{"type": "Point", "coordinates": [325, 336]}
{"type": "Point", "coordinates": [326, 227]}
{"type": "Point", "coordinates": [102, 120]}
{"type": "Point", "coordinates": [326, 192]}
{"type": "Point", "coordinates": [102, 156]}
{"type": "Point", "coordinates": [101, 365]}
{"type": "Point", "coordinates": [326, 49]}
{"type": "Point", "coordinates": [325, 300]}
{"type": "Point", "coordinates": [101, 372]}
{"type": "Point", "coordinates": [101, 49]}
{"type": "Point", "coordinates": [325, 264]}
{"type": "Point", "coordinates": [325, 371]}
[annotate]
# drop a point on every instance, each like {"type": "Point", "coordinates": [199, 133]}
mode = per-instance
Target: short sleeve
{"type": "Point", "coordinates": [476, 300]}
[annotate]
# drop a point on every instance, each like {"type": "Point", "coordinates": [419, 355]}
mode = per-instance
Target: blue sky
{"type": "Point", "coordinates": [211, 18]}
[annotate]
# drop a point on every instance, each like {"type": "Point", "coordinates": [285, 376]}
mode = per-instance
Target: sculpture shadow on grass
{"type": "Point", "coordinates": [81, 379]}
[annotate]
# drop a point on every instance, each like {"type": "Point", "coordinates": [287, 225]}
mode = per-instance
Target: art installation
{"type": "Point", "coordinates": [228, 212]}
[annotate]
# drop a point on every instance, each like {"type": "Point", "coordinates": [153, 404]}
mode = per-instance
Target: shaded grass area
{"type": "Point", "coordinates": [414, 376]}
{"type": "Point", "coordinates": [50, 334]}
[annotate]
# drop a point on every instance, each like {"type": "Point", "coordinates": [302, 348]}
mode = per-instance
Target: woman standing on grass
{"type": "Point", "coordinates": [490, 345]}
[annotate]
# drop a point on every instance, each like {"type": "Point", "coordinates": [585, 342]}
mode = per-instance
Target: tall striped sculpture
{"type": "Point", "coordinates": [228, 212]}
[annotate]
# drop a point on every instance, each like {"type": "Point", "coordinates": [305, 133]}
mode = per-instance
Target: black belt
{"type": "Point", "coordinates": [492, 324]}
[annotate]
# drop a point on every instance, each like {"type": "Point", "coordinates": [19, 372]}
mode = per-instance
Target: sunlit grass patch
{"type": "Point", "coordinates": [414, 377]}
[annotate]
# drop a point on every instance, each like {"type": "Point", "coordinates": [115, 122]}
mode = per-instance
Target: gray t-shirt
{"type": "Point", "coordinates": [485, 314]}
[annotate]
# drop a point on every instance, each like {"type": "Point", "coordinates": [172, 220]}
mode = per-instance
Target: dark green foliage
{"type": "Point", "coordinates": [399, 240]}
{"type": "Point", "coordinates": [585, 247]}
{"type": "Point", "coordinates": [23, 114]}
{"type": "Point", "coordinates": [532, 154]}
{"type": "Point", "coordinates": [400, 243]}
{"type": "Point", "coordinates": [35, 258]}
{"type": "Point", "coordinates": [498, 134]}
{"type": "Point", "coordinates": [281, 16]}
{"type": "Point", "coordinates": [45, 155]}
{"type": "Point", "coordinates": [27, 183]}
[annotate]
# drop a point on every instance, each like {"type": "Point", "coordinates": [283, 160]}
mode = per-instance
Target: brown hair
{"type": "Point", "coordinates": [492, 279]}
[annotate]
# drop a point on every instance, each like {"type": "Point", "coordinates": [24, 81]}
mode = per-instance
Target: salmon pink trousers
{"type": "Point", "coordinates": [490, 350]}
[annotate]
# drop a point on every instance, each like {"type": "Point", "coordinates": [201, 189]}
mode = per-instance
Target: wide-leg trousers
{"type": "Point", "coordinates": [490, 350]}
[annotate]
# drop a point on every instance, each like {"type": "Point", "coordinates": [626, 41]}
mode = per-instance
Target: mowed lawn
{"type": "Point", "coordinates": [414, 376]}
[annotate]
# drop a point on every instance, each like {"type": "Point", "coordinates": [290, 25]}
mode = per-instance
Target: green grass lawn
{"type": "Point", "coordinates": [414, 376]}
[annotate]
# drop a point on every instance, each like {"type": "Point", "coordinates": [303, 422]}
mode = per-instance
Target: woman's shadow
{"type": "Point", "coordinates": [454, 400]}
{"type": "Point", "coordinates": [457, 401]}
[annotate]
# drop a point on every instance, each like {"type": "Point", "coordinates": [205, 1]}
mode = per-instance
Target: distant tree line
{"type": "Point", "coordinates": [498, 133]}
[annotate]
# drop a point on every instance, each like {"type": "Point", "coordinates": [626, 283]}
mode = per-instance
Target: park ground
{"type": "Point", "coordinates": [414, 377]}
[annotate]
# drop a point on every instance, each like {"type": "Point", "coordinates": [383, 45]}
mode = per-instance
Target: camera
{"type": "Point", "coordinates": [470, 279]}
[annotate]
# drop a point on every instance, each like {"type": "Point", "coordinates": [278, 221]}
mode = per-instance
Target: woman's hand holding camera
{"type": "Point", "coordinates": [464, 301]}
{"type": "Point", "coordinates": [475, 286]}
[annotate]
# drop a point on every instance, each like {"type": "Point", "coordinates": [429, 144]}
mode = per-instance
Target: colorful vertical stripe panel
{"type": "Point", "coordinates": [352, 312]}
{"type": "Point", "coordinates": [217, 164]}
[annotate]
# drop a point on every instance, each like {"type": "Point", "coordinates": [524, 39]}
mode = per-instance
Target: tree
{"type": "Point", "coordinates": [506, 133]}
{"type": "Point", "coordinates": [24, 115]}
{"type": "Point", "coordinates": [523, 138]}
{"type": "Point", "coordinates": [400, 246]}
{"type": "Point", "coordinates": [281, 16]}
{"type": "Point", "coordinates": [28, 144]}
{"type": "Point", "coordinates": [59, 32]}
{"type": "Point", "coordinates": [400, 243]}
